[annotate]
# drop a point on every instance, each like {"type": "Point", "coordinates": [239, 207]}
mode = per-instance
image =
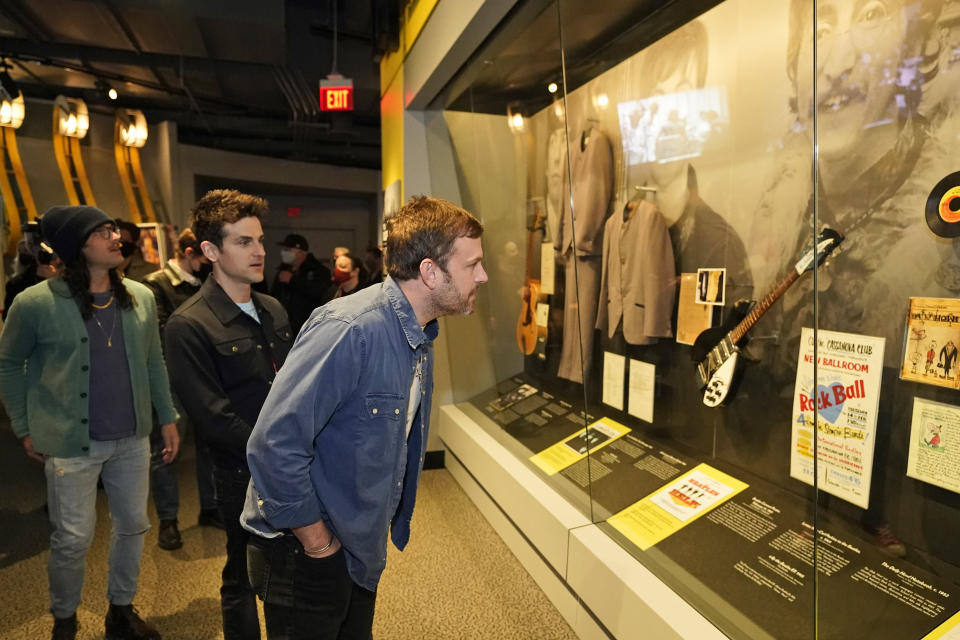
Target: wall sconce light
{"type": "Point", "coordinates": [558, 107]}
{"type": "Point", "coordinates": [12, 112]}
{"type": "Point", "coordinates": [515, 119]}
{"type": "Point", "coordinates": [73, 119]}
{"type": "Point", "coordinates": [600, 101]}
{"type": "Point", "coordinates": [131, 128]}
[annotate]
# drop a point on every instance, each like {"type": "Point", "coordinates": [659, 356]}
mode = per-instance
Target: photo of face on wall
{"type": "Point", "coordinates": [710, 286]}
{"type": "Point", "coordinates": [872, 86]}
{"type": "Point", "coordinates": [152, 243]}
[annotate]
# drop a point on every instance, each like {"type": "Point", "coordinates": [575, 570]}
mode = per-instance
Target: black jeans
{"type": "Point", "coordinates": [237, 600]}
{"type": "Point", "coordinates": [308, 598]}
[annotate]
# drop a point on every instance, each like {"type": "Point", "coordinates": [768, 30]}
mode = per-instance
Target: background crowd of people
{"type": "Point", "coordinates": [158, 344]}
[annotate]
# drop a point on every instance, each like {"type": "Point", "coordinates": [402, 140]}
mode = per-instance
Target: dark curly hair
{"type": "Point", "coordinates": [77, 276]}
{"type": "Point", "coordinates": [223, 206]}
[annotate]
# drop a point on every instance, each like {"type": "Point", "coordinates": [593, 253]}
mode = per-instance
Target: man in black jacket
{"type": "Point", "coordinates": [224, 346]}
{"type": "Point", "coordinates": [302, 282]}
{"type": "Point", "coordinates": [179, 279]}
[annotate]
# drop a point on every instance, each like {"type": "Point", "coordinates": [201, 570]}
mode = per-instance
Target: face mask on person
{"type": "Point", "coordinates": [127, 248]}
{"type": "Point", "coordinates": [340, 276]}
{"type": "Point", "coordinates": [287, 256]}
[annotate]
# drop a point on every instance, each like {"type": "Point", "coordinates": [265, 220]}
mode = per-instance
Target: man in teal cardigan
{"type": "Point", "coordinates": [81, 368]}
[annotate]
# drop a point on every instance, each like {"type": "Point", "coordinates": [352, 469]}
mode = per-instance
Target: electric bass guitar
{"type": "Point", "coordinates": [718, 355]}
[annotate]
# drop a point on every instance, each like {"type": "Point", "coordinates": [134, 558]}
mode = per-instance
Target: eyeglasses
{"type": "Point", "coordinates": [105, 231]}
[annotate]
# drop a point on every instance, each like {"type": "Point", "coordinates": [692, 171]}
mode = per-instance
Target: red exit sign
{"type": "Point", "coordinates": [336, 95]}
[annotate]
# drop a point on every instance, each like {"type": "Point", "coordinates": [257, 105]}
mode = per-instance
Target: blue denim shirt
{"type": "Point", "coordinates": [330, 443]}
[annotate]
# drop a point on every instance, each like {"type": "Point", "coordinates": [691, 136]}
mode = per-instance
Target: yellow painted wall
{"type": "Point", "coordinates": [391, 132]}
{"type": "Point", "coordinates": [415, 16]}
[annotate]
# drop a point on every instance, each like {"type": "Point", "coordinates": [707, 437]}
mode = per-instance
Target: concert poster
{"type": "Point", "coordinates": [931, 342]}
{"type": "Point", "coordinates": [841, 397]}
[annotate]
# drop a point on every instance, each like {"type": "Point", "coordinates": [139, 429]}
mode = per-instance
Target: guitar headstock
{"type": "Point", "coordinates": [828, 240]}
{"type": "Point", "coordinates": [536, 216]}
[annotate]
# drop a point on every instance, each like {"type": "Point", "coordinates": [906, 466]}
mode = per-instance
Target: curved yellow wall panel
{"type": "Point", "coordinates": [14, 207]}
{"type": "Point", "coordinates": [61, 153]}
{"type": "Point", "coordinates": [81, 172]}
{"type": "Point", "coordinates": [122, 154]}
{"type": "Point", "coordinates": [70, 162]}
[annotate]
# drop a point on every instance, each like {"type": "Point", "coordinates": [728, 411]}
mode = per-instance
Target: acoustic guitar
{"type": "Point", "coordinates": [718, 355]}
{"type": "Point", "coordinates": [527, 322]}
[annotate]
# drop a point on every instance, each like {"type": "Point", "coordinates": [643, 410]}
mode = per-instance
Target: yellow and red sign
{"type": "Point", "coordinates": [336, 94]}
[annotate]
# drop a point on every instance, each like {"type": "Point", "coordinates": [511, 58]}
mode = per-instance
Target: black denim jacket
{"type": "Point", "coordinates": [222, 363]}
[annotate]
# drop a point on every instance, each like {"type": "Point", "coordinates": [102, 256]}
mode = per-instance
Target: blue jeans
{"type": "Point", "coordinates": [163, 478]}
{"type": "Point", "coordinates": [72, 496]}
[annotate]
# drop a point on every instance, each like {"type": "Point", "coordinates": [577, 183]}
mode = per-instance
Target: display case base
{"type": "Point", "coordinates": [599, 588]}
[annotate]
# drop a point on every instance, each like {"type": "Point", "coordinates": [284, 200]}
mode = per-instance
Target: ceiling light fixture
{"type": "Point", "coordinates": [105, 89]}
{"type": "Point", "coordinates": [515, 120]}
{"type": "Point", "coordinates": [552, 87]}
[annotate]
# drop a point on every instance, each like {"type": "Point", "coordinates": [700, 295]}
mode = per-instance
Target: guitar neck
{"type": "Point", "coordinates": [761, 307]}
{"type": "Point", "coordinates": [530, 245]}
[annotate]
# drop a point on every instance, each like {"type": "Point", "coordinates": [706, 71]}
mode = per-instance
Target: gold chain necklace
{"type": "Point", "coordinates": [102, 306]}
{"type": "Point", "coordinates": [109, 336]}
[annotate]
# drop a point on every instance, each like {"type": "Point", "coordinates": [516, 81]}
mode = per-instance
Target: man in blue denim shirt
{"type": "Point", "coordinates": [337, 450]}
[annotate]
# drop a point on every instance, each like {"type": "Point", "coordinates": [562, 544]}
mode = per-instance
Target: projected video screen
{"type": "Point", "coordinates": [673, 126]}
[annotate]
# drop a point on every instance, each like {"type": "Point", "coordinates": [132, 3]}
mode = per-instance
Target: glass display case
{"type": "Point", "coordinates": [722, 318]}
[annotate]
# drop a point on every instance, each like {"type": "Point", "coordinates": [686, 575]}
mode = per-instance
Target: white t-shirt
{"type": "Point", "coordinates": [250, 309]}
{"type": "Point", "coordinates": [414, 402]}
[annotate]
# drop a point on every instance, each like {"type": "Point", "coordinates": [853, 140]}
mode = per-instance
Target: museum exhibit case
{"type": "Point", "coordinates": [723, 309]}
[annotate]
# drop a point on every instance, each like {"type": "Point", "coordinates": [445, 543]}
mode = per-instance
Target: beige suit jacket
{"type": "Point", "coordinates": [592, 175]}
{"type": "Point", "coordinates": [638, 283]}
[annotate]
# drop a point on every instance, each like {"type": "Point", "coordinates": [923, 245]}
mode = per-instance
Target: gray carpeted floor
{"type": "Point", "coordinates": [456, 579]}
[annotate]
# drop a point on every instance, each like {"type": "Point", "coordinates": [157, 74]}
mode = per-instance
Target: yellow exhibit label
{"type": "Point", "coordinates": [674, 506]}
{"type": "Point", "coordinates": [949, 630]}
{"type": "Point", "coordinates": [578, 446]}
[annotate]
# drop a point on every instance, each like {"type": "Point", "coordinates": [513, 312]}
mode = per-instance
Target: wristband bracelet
{"type": "Point", "coordinates": [320, 549]}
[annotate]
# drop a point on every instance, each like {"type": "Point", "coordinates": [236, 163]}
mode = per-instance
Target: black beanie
{"type": "Point", "coordinates": [66, 228]}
